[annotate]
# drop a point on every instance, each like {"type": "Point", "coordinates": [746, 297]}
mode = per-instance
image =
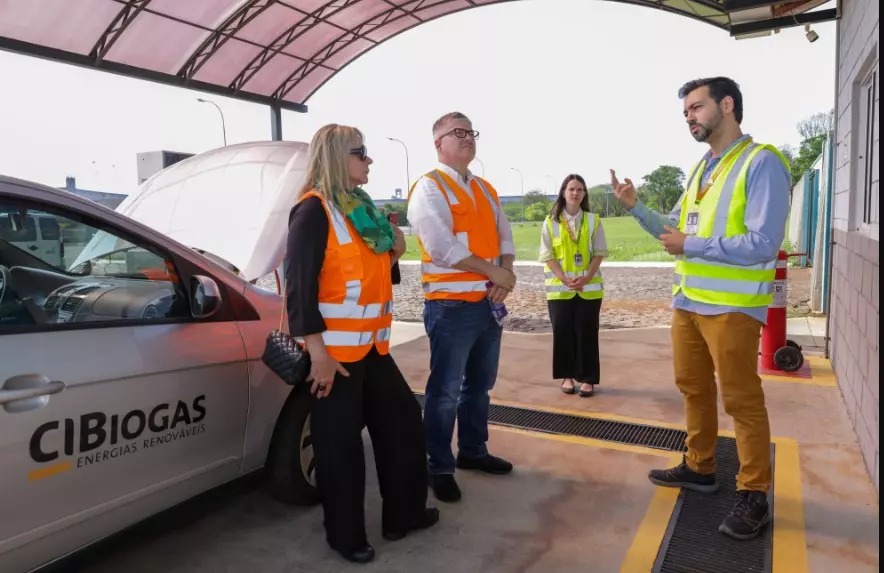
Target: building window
{"type": "Point", "coordinates": [870, 183]}
{"type": "Point", "coordinates": [867, 150]}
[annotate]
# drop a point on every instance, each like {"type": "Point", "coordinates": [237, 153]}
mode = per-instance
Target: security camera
{"type": "Point", "coordinates": [811, 35]}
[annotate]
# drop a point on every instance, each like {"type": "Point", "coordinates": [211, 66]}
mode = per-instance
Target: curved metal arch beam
{"type": "Point", "coordinates": [243, 15]}
{"type": "Point", "coordinates": [320, 57]}
{"type": "Point", "coordinates": [116, 28]}
{"type": "Point", "coordinates": [288, 37]}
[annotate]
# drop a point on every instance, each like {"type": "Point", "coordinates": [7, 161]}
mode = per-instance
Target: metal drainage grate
{"type": "Point", "coordinates": [585, 427]}
{"type": "Point", "coordinates": [692, 543]}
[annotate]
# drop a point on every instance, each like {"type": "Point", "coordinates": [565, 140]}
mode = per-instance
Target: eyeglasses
{"type": "Point", "coordinates": [360, 152]}
{"type": "Point", "coordinates": [461, 133]}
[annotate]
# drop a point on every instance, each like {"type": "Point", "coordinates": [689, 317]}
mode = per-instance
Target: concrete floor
{"type": "Point", "coordinates": [839, 503]}
{"type": "Point", "coordinates": [572, 505]}
{"type": "Point", "coordinates": [559, 512]}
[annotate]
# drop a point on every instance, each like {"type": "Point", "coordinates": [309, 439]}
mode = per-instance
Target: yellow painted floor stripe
{"type": "Point", "coordinates": [648, 538]}
{"type": "Point", "coordinates": [789, 537]}
{"type": "Point", "coordinates": [645, 545]}
{"type": "Point", "coordinates": [821, 374]}
{"type": "Point", "coordinates": [49, 471]}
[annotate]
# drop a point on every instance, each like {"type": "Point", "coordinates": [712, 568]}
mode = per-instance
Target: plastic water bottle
{"type": "Point", "coordinates": [498, 309]}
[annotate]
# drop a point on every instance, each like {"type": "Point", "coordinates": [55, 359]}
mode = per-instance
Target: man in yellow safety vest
{"type": "Point", "coordinates": [725, 232]}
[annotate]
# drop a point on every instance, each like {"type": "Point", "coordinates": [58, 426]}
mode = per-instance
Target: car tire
{"type": "Point", "coordinates": [292, 469]}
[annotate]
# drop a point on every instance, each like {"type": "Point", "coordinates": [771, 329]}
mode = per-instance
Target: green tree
{"type": "Point", "coordinates": [534, 196]}
{"type": "Point", "coordinates": [513, 211]}
{"type": "Point", "coordinates": [537, 211]}
{"type": "Point", "coordinates": [603, 202]}
{"type": "Point", "coordinates": [789, 151]}
{"type": "Point", "coordinates": [662, 188]}
{"type": "Point", "coordinates": [813, 131]}
{"type": "Point", "coordinates": [808, 153]}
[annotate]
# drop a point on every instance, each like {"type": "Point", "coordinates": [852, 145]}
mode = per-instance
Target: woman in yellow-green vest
{"type": "Point", "coordinates": [572, 246]}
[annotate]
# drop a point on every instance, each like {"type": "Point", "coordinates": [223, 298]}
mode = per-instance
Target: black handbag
{"type": "Point", "coordinates": [287, 357]}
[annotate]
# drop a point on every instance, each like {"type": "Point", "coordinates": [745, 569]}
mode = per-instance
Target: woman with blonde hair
{"type": "Point", "coordinates": [340, 301]}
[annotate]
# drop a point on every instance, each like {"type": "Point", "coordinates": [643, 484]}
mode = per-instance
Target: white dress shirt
{"type": "Point", "coordinates": [430, 215]}
{"type": "Point", "coordinates": [599, 247]}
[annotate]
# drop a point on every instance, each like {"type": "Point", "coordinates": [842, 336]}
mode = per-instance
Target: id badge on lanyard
{"type": "Point", "coordinates": [692, 225]}
{"type": "Point", "coordinates": [578, 260]}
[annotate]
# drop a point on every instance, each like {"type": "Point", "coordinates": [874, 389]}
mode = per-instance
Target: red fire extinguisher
{"type": "Point", "coordinates": [777, 352]}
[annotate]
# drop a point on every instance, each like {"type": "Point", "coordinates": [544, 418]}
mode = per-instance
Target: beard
{"type": "Point", "coordinates": [704, 131]}
{"type": "Point", "coordinates": [701, 134]}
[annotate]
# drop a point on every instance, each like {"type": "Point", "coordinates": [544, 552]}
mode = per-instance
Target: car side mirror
{"type": "Point", "coordinates": [205, 297]}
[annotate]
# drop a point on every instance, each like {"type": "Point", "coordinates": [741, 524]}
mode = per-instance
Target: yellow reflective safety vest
{"type": "Point", "coordinates": [720, 212]}
{"type": "Point", "coordinates": [574, 257]}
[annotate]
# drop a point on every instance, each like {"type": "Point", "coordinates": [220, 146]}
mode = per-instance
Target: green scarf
{"type": "Point", "coordinates": [371, 225]}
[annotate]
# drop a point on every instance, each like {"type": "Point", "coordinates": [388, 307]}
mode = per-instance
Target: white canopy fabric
{"type": "Point", "coordinates": [281, 51]}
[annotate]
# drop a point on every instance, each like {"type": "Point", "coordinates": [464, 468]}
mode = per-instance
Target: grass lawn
{"type": "Point", "coordinates": [627, 241]}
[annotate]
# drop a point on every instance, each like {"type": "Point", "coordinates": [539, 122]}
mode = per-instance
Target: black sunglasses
{"type": "Point", "coordinates": [360, 152]}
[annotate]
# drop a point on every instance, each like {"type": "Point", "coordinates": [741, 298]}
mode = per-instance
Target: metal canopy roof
{"type": "Point", "coordinates": [279, 52]}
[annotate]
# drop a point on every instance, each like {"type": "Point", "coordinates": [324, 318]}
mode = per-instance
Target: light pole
{"type": "Point", "coordinates": [482, 165]}
{"type": "Point", "coordinates": [552, 186]}
{"type": "Point", "coordinates": [522, 179]}
{"type": "Point", "coordinates": [407, 173]}
{"type": "Point", "coordinates": [223, 126]}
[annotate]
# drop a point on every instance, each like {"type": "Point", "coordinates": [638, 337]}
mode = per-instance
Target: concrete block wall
{"type": "Point", "coordinates": [853, 327]}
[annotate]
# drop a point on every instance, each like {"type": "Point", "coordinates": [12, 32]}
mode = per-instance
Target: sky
{"type": "Point", "coordinates": [553, 86]}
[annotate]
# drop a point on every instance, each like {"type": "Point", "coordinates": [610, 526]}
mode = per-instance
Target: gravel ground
{"type": "Point", "coordinates": [634, 297]}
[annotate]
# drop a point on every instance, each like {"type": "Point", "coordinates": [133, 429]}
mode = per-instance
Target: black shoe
{"type": "Point", "coordinates": [488, 464]}
{"type": "Point", "coordinates": [751, 513]}
{"type": "Point", "coordinates": [445, 488]}
{"type": "Point", "coordinates": [359, 555]}
{"type": "Point", "coordinates": [683, 476]}
{"type": "Point", "coordinates": [428, 519]}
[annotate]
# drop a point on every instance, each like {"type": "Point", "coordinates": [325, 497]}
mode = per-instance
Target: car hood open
{"type": "Point", "coordinates": [232, 202]}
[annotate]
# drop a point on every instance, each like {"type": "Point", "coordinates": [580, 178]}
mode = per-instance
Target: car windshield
{"type": "Point", "coordinates": [108, 255]}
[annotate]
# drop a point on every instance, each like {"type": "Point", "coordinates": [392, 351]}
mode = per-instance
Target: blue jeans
{"type": "Point", "coordinates": [464, 353]}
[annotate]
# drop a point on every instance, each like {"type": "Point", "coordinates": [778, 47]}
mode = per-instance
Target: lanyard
{"type": "Point", "coordinates": [719, 168]}
{"type": "Point", "coordinates": [579, 228]}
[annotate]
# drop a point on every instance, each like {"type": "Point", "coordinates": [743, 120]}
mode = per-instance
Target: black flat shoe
{"type": "Point", "coordinates": [359, 555]}
{"type": "Point", "coordinates": [586, 394]}
{"type": "Point", "coordinates": [569, 390]}
{"type": "Point", "coordinates": [428, 519]}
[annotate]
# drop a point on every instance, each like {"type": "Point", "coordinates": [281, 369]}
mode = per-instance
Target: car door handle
{"type": "Point", "coordinates": [28, 386]}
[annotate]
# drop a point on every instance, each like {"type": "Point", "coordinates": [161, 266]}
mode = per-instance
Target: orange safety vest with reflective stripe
{"type": "Point", "coordinates": [355, 291]}
{"type": "Point", "coordinates": [475, 227]}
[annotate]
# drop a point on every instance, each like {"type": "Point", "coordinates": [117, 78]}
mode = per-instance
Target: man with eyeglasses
{"type": "Point", "coordinates": [467, 254]}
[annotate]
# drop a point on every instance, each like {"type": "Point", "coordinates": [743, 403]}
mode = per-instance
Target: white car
{"type": "Point", "coordinates": [40, 235]}
{"type": "Point", "coordinates": [131, 376]}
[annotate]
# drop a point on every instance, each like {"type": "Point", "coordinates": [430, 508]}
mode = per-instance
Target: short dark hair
{"type": "Point", "coordinates": [719, 88]}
